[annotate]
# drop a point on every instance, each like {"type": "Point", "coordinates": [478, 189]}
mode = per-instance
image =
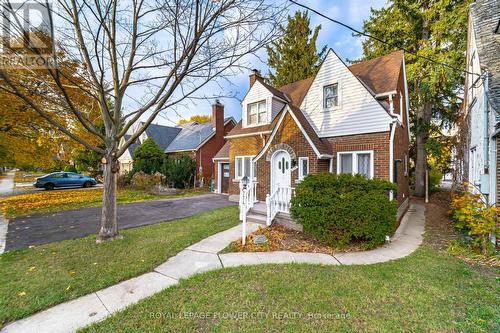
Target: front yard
{"type": "Point", "coordinates": [428, 291]}
{"type": "Point", "coordinates": [54, 201]}
{"type": "Point", "coordinates": [38, 277]}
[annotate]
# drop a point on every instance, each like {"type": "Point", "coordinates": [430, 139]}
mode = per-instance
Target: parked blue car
{"type": "Point", "coordinates": [64, 179]}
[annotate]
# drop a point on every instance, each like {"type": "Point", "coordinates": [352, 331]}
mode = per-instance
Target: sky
{"type": "Point", "coordinates": [351, 12]}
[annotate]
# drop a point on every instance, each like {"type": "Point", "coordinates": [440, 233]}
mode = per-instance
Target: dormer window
{"type": "Point", "coordinates": [257, 113]}
{"type": "Point", "coordinates": [331, 96]}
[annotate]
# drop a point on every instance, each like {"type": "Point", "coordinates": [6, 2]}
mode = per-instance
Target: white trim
{"type": "Point", "coordinates": [385, 94]}
{"type": "Point", "coordinates": [251, 157]}
{"type": "Point", "coordinates": [339, 99]}
{"type": "Point", "coordinates": [354, 153]}
{"type": "Point", "coordinates": [247, 134]}
{"type": "Point", "coordinates": [271, 186]}
{"type": "Point", "coordinates": [219, 177]}
{"type": "Point", "coordinates": [330, 167]}
{"type": "Point", "coordinates": [245, 113]}
{"type": "Point", "coordinates": [407, 98]}
{"type": "Point", "coordinates": [300, 177]}
{"type": "Point", "coordinates": [220, 159]}
{"type": "Point", "coordinates": [275, 130]}
{"type": "Point", "coordinates": [391, 158]}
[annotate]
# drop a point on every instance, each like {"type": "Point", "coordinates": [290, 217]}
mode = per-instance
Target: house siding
{"type": "Point", "coordinates": [258, 93]}
{"type": "Point", "coordinates": [358, 111]}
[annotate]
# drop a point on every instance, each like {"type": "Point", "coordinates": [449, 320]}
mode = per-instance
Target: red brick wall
{"type": "Point", "coordinates": [288, 133]}
{"type": "Point", "coordinates": [401, 143]}
{"type": "Point", "coordinates": [378, 142]}
{"type": "Point", "coordinates": [205, 155]}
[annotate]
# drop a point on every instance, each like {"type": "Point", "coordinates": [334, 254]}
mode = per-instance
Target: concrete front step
{"type": "Point", "coordinates": [256, 218]}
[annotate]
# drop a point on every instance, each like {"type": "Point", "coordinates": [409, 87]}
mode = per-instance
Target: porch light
{"type": "Point", "coordinates": [244, 182]}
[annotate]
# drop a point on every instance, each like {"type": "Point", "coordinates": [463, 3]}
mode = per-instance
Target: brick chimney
{"type": "Point", "coordinates": [253, 77]}
{"type": "Point", "coordinates": [218, 118]}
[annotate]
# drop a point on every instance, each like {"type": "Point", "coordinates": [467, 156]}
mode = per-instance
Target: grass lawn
{"type": "Point", "coordinates": [428, 291]}
{"type": "Point", "coordinates": [52, 201]}
{"type": "Point", "coordinates": [34, 279]}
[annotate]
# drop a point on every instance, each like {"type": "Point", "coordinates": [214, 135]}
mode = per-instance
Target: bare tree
{"type": "Point", "coordinates": [138, 58]}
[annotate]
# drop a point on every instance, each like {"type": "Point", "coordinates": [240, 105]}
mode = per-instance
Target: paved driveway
{"type": "Point", "coordinates": [41, 229]}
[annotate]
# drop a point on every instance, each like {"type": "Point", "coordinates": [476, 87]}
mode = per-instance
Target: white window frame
{"type": "Point", "coordinates": [355, 161]}
{"type": "Point", "coordinates": [301, 177]}
{"type": "Point", "coordinates": [339, 96]}
{"type": "Point", "coordinates": [253, 167]}
{"type": "Point", "coordinates": [247, 112]}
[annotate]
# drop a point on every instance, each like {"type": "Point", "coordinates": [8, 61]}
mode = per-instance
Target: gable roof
{"type": "Point", "coordinates": [162, 135]}
{"type": "Point", "coordinates": [132, 147]}
{"type": "Point", "coordinates": [223, 153]}
{"type": "Point", "coordinates": [192, 135]}
{"type": "Point", "coordinates": [296, 91]}
{"type": "Point", "coordinates": [485, 15]}
{"type": "Point", "coordinates": [380, 74]}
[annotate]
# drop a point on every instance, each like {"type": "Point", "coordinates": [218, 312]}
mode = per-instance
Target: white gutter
{"type": "Point", "coordinates": [246, 134]}
{"type": "Point", "coordinates": [391, 157]}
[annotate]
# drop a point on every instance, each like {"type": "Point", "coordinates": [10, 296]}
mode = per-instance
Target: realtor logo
{"type": "Point", "coordinates": [27, 35]}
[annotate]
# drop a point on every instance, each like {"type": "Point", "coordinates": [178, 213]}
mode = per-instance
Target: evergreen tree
{"type": "Point", "coordinates": [434, 29]}
{"type": "Point", "coordinates": [294, 56]}
{"type": "Point", "coordinates": [148, 157]}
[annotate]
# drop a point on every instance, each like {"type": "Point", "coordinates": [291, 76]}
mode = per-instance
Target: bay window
{"type": "Point", "coordinates": [356, 162]}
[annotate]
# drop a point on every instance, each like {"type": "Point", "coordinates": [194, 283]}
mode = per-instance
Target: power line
{"type": "Point", "coordinates": [362, 33]}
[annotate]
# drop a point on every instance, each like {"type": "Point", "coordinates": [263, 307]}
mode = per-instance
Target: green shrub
{"type": "Point", "coordinates": [343, 209]}
{"type": "Point", "coordinates": [148, 157]}
{"type": "Point", "coordinates": [179, 171]}
{"type": "Point", "coordinates": [70, 168]}
{"type": "Point", "coordinates": [435, 177]}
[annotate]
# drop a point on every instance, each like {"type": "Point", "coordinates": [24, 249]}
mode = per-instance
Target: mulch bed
{"type": "Point", "coordinates": [280, 238]}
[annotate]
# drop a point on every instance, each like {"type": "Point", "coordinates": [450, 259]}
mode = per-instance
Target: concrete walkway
{"type": "Point", "coordinates": [201, 257]}
{"type": "Point", "coordinates": [6, 187]}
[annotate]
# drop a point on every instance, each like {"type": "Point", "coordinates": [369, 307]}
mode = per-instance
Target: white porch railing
{"type": "Point", "coordinates": [248, 197]}
{"type": "Point", "coordinates": [278, 202]}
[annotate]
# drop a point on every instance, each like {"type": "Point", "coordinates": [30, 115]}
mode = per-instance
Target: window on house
{"type": "Point", "coordinates": [257, 113]}
{"type": "Point", "coordinates": [331, 96]}
{"type": "Point", "coordinates": [303, 167]}
{"type": "Point", "coordinates": [356, 163]}
{"type": "Point", "coordinates": [242, 167]}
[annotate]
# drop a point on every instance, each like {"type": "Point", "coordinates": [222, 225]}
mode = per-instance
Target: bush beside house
{"type": "Point", "coordinates": [474, 217]}
{"type": "Point", "coordinates": [343, 209]}
{"type": "Point", "coordinates": [153, 168]}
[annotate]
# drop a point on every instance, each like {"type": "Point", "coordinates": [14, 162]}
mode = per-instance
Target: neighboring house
{"type": "Point", "coordinates": [482, 98]}
{"type": "Point", "coordinates": [200, 141]}
{"type": "Point", "coordinates": [346, 119]}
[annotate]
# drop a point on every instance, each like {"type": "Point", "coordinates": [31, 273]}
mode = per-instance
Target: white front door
{"type": "Point", "coordinates": [281, 174]}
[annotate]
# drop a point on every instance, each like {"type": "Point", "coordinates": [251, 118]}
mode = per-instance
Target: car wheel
{"type": "Point", "coordinates": [87, 184]}
{"type": "Point", "coordinates": [49, 186]}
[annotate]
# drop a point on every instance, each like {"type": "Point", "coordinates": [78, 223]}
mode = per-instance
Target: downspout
{"type": "Point", "coordinates": [391, 145]}
{"type": "Point", "coordinates": [391, 156]}
{"type": "Point", "coordinates": [486, 137]}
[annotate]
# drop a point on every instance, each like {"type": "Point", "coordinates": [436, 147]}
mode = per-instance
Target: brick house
{"type": "Point", "coordinates": [201, 141]}
{"type": "Point", "coordinates": [478, 155]}
{"type": "Point", "coordinates": [345, 119]}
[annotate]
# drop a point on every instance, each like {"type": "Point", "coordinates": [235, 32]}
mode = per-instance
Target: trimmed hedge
{"type": "Point", "coordinates": [343, 209]}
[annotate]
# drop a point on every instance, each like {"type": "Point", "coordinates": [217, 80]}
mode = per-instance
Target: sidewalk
{"type": "Point", "coordinates": [6, 188]}
{"type": "Point", "coordinates": [201, 257]}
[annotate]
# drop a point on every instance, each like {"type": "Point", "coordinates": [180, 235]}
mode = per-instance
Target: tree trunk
{"type": "Point", "coordinates": [109, 223]}
{"type": "Point", "coordinates": [424, 117]}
